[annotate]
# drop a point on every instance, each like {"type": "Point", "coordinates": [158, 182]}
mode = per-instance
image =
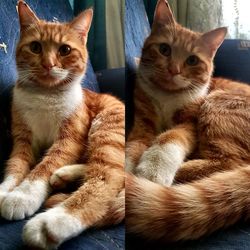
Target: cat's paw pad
{"type": "Point", "coordinates": [24, 200]}
{"type": "Point", "coordinates": [61, 177]}
{"type": "Point", "coordinates": [49, 229]}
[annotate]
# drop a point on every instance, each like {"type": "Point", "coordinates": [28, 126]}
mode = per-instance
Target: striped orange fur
{"type": "Point", "coordinates": [175, 69]}
{"type": "Point", "coordinates": [61, 133]}
{"type": "Point", "coordinates": [195, 142]}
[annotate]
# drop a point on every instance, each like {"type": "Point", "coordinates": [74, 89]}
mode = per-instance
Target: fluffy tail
{"type": "Point", "coordinates": [187, 211]}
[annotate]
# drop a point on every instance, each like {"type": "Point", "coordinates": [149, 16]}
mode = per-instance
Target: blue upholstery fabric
{"type": "Point", "coordinates": [136, 29]}
{"type": "Point", "coordinates": [10, 232]}
{"type": "Point", "coordinates": [9, 33]}
{"type": "Point", "coordinates": [112, 81]}
{"type": "Point", "coordinates": [108, 239]}
{"type": "Point", "coordinates": [232, 61]}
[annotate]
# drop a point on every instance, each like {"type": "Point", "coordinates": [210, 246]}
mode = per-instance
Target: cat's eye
{"type": "Point", "coordinates": [64, 50]}
{"type": "Point", "coordinates": [192, 60]}
{"type": "Point", "coordinates": [165, 49]}
{"type": "Point", "coordinates": [36, 47]}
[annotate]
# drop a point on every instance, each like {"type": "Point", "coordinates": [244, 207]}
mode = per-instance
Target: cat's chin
{"type": "Point", "coordinates": [170, 86]}
{"type": "Point", "coordinates": [51, 82]}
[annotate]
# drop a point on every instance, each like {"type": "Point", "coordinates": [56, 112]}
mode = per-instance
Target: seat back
{"type": "Point", "coordinates": [136, 30]}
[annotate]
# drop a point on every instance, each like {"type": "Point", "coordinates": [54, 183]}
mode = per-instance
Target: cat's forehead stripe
{"type": "Point", "coordinates": [54, 34]}
{"type": "Point", "coordinates": [57, 33]}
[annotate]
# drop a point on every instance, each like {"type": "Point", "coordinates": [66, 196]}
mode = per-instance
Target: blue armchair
{"type": "Point", "coordinates": [10, 231]}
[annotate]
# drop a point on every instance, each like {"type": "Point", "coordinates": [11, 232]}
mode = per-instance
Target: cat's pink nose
{"type": "Point", "coordinates": [48, 66]}
{"type": "Point", "coordinates": [174, 70]}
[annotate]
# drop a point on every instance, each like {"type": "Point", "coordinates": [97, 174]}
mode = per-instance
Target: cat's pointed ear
{"type": "Point", "coordinates": [163, 14]}
{"type": "Point", "coordinates": [82, 22]}
{"type": "Point", "coordinates": [213, 39]}
{"type": "Point", "coordinates": [26, 15]}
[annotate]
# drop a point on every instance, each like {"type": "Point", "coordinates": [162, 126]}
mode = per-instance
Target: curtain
{"type": "Point", "coordinates": [115, 33]}
{"type": "Point", "coordinates": [236, 17]}
{"type": "Point", "coordinates": [97, 35]}
{"type": "Point", "coordinates": [204, 15]}
{"type": "Point", "coordinates": [106, 36]}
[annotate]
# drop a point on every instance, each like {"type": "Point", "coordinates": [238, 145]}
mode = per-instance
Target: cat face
{"type": "Point", "coordinates": [175, 58]}
{"type": "Point", "coordinates": [51, 54]}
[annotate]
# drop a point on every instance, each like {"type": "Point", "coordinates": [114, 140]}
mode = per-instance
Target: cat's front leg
{"type": "Point", "coordinates": [27, 198]}
{"type": "Point", "coordinates": [21, 158]}
{"type": "Point", "coordinates": [134, 151]}
{"type": "Point", "coordinates": [160, 162]}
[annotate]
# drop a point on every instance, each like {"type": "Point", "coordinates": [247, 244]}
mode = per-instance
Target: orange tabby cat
{"type": "Point", "coordinates": [216, 190]}
{"type": "Point", "coordinates": [175, 71]}
{"type": "Point", "coordinates": [52, 114]}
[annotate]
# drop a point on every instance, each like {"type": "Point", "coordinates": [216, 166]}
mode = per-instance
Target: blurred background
{"type": "Point", "coordinates": [106, 37]}
{"type": "Point", "coordinates": [231, 13]}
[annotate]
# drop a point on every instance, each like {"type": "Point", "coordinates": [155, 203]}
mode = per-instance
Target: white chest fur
{"type": "Point", "coordinates": [167, 103]}
{"type": "Point", "coordinates": [44, 111]}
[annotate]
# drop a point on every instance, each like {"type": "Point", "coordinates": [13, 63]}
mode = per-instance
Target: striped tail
{"type": "Point", "coordinates": [187, 211]}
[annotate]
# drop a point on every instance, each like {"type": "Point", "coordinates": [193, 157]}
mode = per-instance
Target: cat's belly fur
{"type": "Point", "coordinates": [44, 114]}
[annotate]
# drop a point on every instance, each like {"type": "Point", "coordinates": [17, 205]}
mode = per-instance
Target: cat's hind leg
{"type": "Point", "coordinates": [86, 207]}
{"type": "Point", "coordinates": [64, 175]}
{"type": "Point", "coordinates": [56, 199]}
{"type": "Point", "coordinates": [21, 158]}
{"type": "Point", "coordinates": [116, 209]}
{"type": "Point", "coordinates": [116, 212]}
{"type": "Point", "coordinates": [197, 169]}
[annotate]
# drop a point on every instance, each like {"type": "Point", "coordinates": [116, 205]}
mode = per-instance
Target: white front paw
{"type": "Point", "coordinates": [49, 229]}
{"type": "Point", "coordinates": [24, 200]}
{"type": "Point", "coordinates": [160, 162]}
